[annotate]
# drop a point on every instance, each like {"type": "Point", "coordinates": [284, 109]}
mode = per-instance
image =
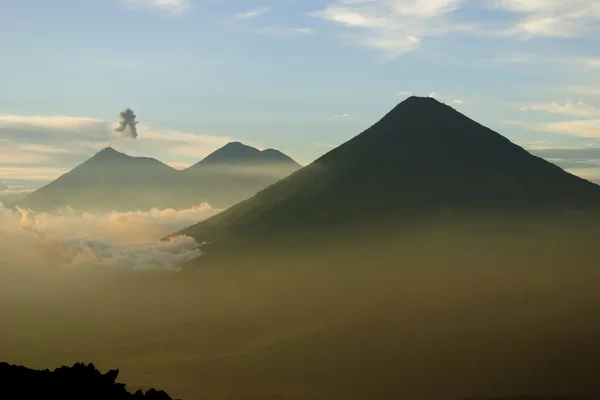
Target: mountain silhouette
{"type": "Point", "coordinates": [422, 158]}
{"type": "Point", "coordinates": [67, 383]}
{"type": "Point", "coordinates": [113, 181]}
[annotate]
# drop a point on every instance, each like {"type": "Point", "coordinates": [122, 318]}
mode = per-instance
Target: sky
{"type": "Point", "coordinates": [299, 76]}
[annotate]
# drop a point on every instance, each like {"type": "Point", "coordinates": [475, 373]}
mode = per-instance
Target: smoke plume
{"type": "Point", "coordinates": [127, 124]}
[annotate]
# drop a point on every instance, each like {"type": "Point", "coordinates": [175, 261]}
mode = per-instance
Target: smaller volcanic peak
{"type": "Point", "coordinates": [236, 153]}
{"type": "Point", "coordinates": [275, 156]}
{"type": "Point", "coordinates": [232, 153]}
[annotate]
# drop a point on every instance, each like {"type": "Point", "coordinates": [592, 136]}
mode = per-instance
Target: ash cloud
{"type": "Point", "coordinates": [128, 124]}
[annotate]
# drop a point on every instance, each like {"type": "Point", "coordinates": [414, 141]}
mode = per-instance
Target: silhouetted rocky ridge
{"type": "Point", "coordinates": [78, 382]}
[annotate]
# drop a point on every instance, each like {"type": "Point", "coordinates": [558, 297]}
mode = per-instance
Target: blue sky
{"type": "Point", "coordinates": [300, 76]}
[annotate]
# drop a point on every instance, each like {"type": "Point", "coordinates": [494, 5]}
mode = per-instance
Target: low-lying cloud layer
{"type": "Point", "coordinates": [129, 240]}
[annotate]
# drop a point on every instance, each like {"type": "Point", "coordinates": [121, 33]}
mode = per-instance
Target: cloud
{"type": "Point", "coordinates": [552, 17]}
{"type": "Point", "coordinates": [394, 27]}
{"type": "Point", "coordinates": [113, 240]}
{"type": "Point", "coordinates": [173, 6]}
{"type": "Point", "coordinates": [31, 173]}
{"type": "Point", "coordinates": [573, 159]}
{"type": "Point", "coordinates": [251, 14]}
{"type": "Point", "coordinates": [536, 145]}
{"type": "Point", "coordinates": [578, 108]}
{"type": "Point", "coordinates": [459, 102]}
{"type": "Point", "coordinates": [54, 121]}
{"type": "Point", "coordinates": [340, 116]}
{"type": "Point", "coordinates": [10, 197]}
{"type": "Point", "coordinates": [594, 63]}
{"type": "Point", "coordinates": [593, 90]}
{"type": "Point", "coordinates": [571, 153]}
{"type": "Point", "coordinates": [584, 128]}
{"type": "Point", "coordinates": [284, 32]}
{"type": "Point", "coordinates": [434, 95]}
{"type": "Point", "coordinates": [403, 93]}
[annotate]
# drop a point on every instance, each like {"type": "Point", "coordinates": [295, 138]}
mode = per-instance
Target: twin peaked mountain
{"type": "Point", "coordinates": [113, 181]}
{"type": "Point", "coordinates": [422, 158]}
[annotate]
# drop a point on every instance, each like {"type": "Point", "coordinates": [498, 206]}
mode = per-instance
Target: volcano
{"type": "Point", "coordinates": [421, 159]}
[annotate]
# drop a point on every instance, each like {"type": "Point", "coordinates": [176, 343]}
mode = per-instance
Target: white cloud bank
{"type": "Point", "coordinates": [128, 240]}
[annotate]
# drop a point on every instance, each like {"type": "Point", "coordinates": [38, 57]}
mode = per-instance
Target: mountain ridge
{"type": "Point", "coordinates": [114, 181]}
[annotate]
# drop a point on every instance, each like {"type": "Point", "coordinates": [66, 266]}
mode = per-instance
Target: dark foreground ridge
{"type": "Point", "coordinates": [67, 383]}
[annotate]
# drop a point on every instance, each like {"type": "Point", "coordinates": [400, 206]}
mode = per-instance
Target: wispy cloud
{"type": "Point", "coordinates": [284, 32]}
{"type": "Point", "coordinates": [251, 14]}
{"type": "Point", "coordinates": [38, 173]}
{"type": "Point", "coordinates": [173, 6]}
{"type": "Point", "coordinates": [400, 26]}
{"type": "Point", "coordinates": [458, 102]}
{"type": "Point", "coordinates": [584, 128]}
{"type": "Point", "coordinates": [402, 93]}
{"type": "Point", "coordinates": [395, 27]}
{"type": "Point", "coordinates": [54, 121]}
{"type": "Point", "coordinates": [340, 116]}
{"type": "Point", "coordinates": [593, 90]}
{"type": "Point", "coordinates": [552, 17]}
{"type": "Point", "coordinates": [578, 108]}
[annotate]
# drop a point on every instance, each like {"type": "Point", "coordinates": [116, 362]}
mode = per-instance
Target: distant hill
{"type": "Point", "coordinates": [67, 383]}
{"type": "Point", "coordinates": [111, 180]}
{"type": "Point", "coordinates": [236, 153]}
{"type": "Point", "coordinates": [236, 172]}
{"type": "Point", "coordinates": [422, 158]}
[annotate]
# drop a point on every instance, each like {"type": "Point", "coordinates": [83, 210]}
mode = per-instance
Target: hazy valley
{"type": "Point", "coordinates": [428, 258]}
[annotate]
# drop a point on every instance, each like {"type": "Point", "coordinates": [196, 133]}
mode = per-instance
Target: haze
{"type": "Point", "coordinates": [329, 199]}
